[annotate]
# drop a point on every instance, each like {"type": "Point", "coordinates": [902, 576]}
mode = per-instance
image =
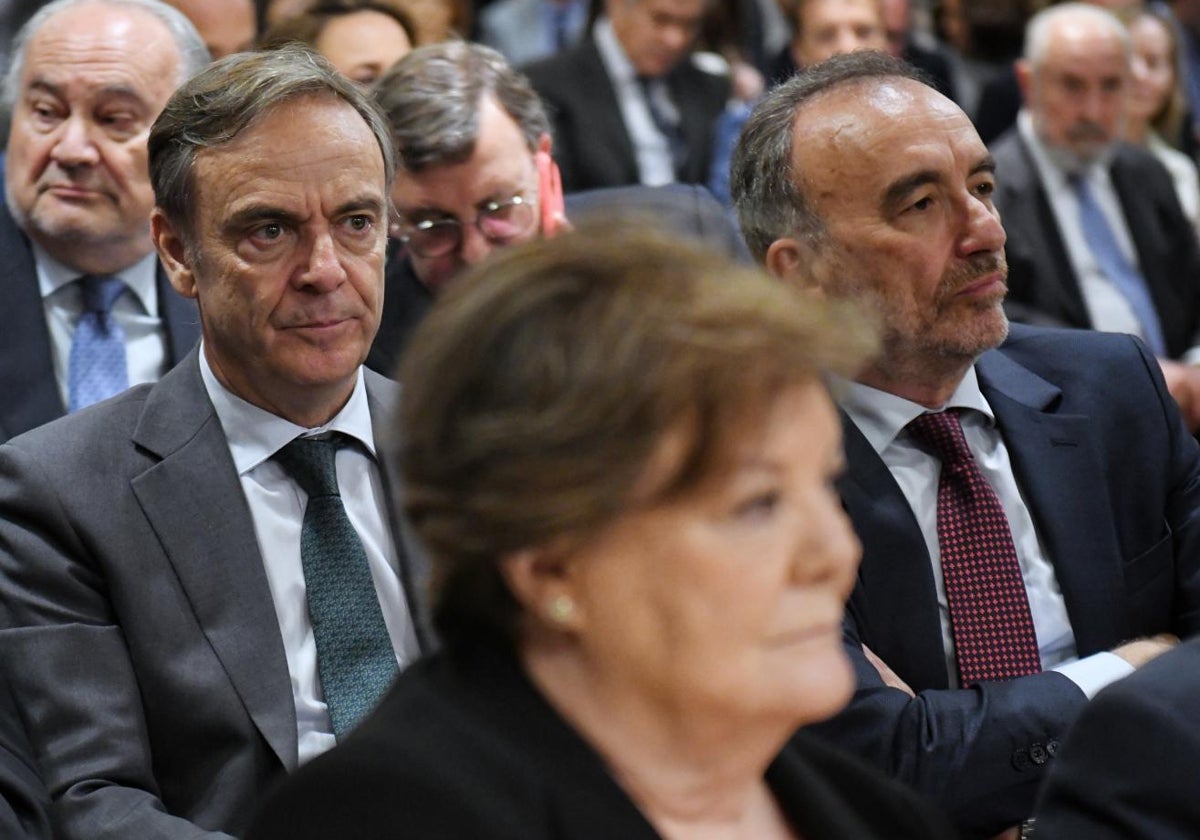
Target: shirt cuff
{"type": "Point", "coordinates": [1094, 672]}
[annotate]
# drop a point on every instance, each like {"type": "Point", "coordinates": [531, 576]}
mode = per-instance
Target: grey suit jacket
{"type": "Point", "coordinates": [1043, 285]}
{"type": "Point", "coordinates": [31, 395]}
{"type": "Point", "coordinates": [138, 630]}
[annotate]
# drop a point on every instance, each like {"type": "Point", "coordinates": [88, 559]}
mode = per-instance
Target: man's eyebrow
{"type": "Point", "coordinates": [362, 204]}
{"type": "Point", "coordinates": [124, 92]}
{"type": "Point", "coordinates": [898, 190]}
{"type": "Point", "coordinates": [986, 164]}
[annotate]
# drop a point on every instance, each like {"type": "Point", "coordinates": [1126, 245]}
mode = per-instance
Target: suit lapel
{"type": "Point", "coordinates": [31, 395]}
{"type": "Point", "coordinates": [1065, 491]}
{"type": "Point", "coordinates": [896, 587]}
{"type": "Point", "coordinates": [612, 133]}
{"type": "Point", "coordinates": [193, 500]}
{"type": "Point", "coordinates": [1033, 222]}
{"type": "Point", "coordinates": [383, 399]}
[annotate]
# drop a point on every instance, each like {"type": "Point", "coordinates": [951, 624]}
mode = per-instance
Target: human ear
{"type": "Point", "coordinates": [172, 253]}
{"type": "Point", "coordinates": [540, 580]}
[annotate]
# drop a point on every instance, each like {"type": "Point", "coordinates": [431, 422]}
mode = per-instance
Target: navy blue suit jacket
{"type": "Point", "coordinates": [1129, 769]}
{"type": "Point", "coordinates": [31, 395]}
{"type": "Point", "coordinates": [1112, 480]}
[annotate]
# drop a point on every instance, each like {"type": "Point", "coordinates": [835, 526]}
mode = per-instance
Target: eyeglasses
{"type": "Point", "coordinates": [499, 221]}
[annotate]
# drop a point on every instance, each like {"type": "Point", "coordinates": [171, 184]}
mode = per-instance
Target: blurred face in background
{"type": "Point", "coordinates": [1153, 68]}
{"type": "Point", "coordinates": [656, 34]}
{"type": "Point", "coordinates": [227, 26]}
{"type": "Point", "coordinates": [1077, 92]}
{"type": "Point", "coordinates": [825, 28]}
{"type": "Point", "coordinates": [363, 44]}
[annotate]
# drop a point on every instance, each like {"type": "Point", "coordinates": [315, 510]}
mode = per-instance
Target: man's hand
{"type": "Point", "coordinates": [1183, 381]}
{"type": "Point", "coordinates": [886, 673]}
{"type": "Point", "coordinates": [1140, 651]}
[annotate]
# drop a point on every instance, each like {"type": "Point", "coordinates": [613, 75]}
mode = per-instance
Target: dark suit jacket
{"type": "Point", "coordinates": [1112, 480]}
{"type": "Point", "coordinates": [24, 803]}
{"type": "Point", "coordinates": [688, 209]}
{"type": "Point", "coordinates": [1041, 278]}
{"type": "Point", "coordinates": [138, 627]}
{"type": "Point", "coordinates": [31, 395]}
{"type": "Point", "coordinates": [469, 748]}
{"type": "Point", "coordinates": [591, 144]}
{"type": "Point", "coordinates": [1130, 766]}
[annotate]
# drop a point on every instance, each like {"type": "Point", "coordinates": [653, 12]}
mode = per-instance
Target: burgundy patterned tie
{"type": "Point", "coordinates": [990, 620]}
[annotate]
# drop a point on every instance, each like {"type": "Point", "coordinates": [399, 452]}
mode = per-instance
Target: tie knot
{"type": "Point", "coordinates": [100, 292]}
{"type": "Point", "coordinates": [310, 461]}
{"type": "Point", "coordinates": [943, 432]}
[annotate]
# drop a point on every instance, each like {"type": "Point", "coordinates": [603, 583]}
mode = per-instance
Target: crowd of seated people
{"type": "Point", "coordinates": [798, 430]}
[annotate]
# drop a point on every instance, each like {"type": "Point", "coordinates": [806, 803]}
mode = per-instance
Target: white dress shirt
{"type": "Point", "coordinates": [1107, 307]}
{"type": "Point", "coordinates": [882, 418]}
{"type": "Point", "coordinates": [277, 508]}
{"type": "Point", "coordinates": [136, 311]}
{"type": "Point", "coordinates": [651, 149]}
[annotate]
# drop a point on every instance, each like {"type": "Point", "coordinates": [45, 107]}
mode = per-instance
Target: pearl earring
{"type": "Point", "coordinates": [561, 608]}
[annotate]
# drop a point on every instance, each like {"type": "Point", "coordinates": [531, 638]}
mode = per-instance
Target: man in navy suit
{"type": "Point", "coordinates": [856, 181]}
{"type": "Point", "coordinates": [78, 198]}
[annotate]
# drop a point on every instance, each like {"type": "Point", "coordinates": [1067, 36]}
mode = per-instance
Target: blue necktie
{"type": "Point", "coordinates": [355, 658]}
{"type": "Point", "coordinates": [1116, 267]}
{"type": "Point", "coordinates": [97, 368]}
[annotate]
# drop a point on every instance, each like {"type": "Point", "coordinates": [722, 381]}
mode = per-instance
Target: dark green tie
{"type": "Point", "coordinates": [354, 652]}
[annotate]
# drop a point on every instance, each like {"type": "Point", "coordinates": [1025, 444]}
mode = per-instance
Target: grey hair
{"type": "Point", "coordinates": [215, 106]}
{"type": "Point", "coordinates": [1037, 31]}
{"type": "Point", "coordinates": [432, 97]}
{"type": "Point", "coordinates": [193, 55]}
{"type": "Point", "coordinates": [765, 186]}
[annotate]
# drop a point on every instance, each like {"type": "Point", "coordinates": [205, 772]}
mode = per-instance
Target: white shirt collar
{"type": "Point", "coordinates": [254, 434]}
{"type": "Point", "coordinates": [617, 64]}
{"type": "Point", "coordinates": [881, 416]}
{"type": "Point", "coordinates": [141, 277]}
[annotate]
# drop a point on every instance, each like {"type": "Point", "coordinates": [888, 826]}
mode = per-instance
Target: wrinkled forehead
{"type": "Point", "coordinates": [857, 133]}
{"type": "Point", "coordinates": [876, 118]}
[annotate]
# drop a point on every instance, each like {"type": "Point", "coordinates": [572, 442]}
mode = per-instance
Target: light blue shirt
{"type": "Point", "coordinates": [136, 311]}
{"type": "Point", "coordinates": [882, 418]}
{"type": "Point", "coordinates": [277, 509]}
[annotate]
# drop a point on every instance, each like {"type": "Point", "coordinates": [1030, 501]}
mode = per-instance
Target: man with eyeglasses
{"type": "Point", "coordinates": [467, 130]}
{"type": "Point", "coordinates": [473, 174]}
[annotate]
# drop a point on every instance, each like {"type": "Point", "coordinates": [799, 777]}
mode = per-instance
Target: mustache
{"type": "Point", "coordinates": [973, 268]}
{"type": "Point", "coordinates": [1086, 131]}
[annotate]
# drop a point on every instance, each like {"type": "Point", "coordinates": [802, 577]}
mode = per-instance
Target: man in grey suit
{"type": "Point", "coordinates": [163, 598]}
{"type": "Point", "coordinates": [87, 80]}
{"type": "Point", "coordinates": [1096, 236]}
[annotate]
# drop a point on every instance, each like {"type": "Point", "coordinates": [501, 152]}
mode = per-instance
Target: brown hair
{"type": "Point", "coordinates": [306, 27]}
{"type": "Point", "coordinates": [540, 385]}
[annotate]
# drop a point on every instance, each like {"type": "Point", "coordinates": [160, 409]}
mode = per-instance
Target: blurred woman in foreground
{"type": "Point", "coordinates": [620, 456]}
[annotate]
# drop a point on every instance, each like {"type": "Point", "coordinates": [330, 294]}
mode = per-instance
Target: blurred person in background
{"type": "Point", "coordinates": [360, 38]}
{"type": "Point", "coordinates": [825, 28]}
{"type": "Point", "coordinates": [599, 430]}
{"type": "Point", "coordinates": [1156, 115]}
{"type": "Point", "coordinates": [227, 26]}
